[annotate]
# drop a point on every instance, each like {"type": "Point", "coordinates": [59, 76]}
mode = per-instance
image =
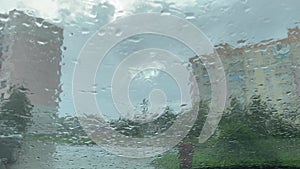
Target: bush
{"type": "Point", "coordinates": [16, 111]}
{"type": "Point", "coordinates": [240, 131]}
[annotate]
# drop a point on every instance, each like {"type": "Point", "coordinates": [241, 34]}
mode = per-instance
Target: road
{"type": "Point", "coordinates": [39, 155]}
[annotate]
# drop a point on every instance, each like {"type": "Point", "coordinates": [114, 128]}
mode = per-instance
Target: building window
{"type": "Point", "coordinates": [236, 76]}
{"type": "Point", "coordinates": [251, 72]}
{"type": "Point", "coordinates": [266, 70]}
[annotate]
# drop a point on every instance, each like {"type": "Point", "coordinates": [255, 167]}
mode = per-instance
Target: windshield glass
{"type": "Point", "coordinates": [173, 84]}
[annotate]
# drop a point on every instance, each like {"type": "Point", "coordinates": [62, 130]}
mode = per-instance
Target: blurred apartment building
{"type": "Point", "coordinates": [30, 56]}
{"type": "Point", "coordinates": [270, 69]}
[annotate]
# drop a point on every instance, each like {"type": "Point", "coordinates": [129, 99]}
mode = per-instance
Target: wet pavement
{"type": "Point", "coordinates": [39, 155]}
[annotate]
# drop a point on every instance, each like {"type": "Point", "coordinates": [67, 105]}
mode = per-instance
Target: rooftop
{"type": "Point", "coordinates": [226, 50]}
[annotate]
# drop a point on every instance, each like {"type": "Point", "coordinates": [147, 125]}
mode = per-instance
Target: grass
{"type": "Point", "coordinates": [167, 161]}
{"type": "Point", "coordinates": [206, 155]}
{"type": "Point", "coordinates": [62, 139]}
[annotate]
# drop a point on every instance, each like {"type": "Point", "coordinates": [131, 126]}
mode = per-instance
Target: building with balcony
{"type": "Point", "coordinates": [270, 68]}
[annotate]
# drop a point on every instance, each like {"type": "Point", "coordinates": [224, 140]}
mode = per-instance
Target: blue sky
{"type": "Point", "coordinates": [222, 21]}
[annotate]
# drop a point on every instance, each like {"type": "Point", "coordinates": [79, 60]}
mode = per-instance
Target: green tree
{"type": "Point", "coordinates": [240, 135]}
{"type": "Point", "coordinates": [127, 127]}
{"type": "Point", "coordinates": [16, 110]}
{"type": "Point", "coordinates": [162, 123]}
{"type": "Point", "coordinates": [235, 137]}
{"type": "Point", "coordinates": [282, 128]}
{"type": "Point", "coordinates": [258, 115]}
{"type": "Point", "coordinates": [199, 122]}
{"type": "Point", "coordinates": [135, 129]}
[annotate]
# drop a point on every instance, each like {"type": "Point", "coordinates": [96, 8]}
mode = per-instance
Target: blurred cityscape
{"type": "Point", "coordinates": [31, 52]}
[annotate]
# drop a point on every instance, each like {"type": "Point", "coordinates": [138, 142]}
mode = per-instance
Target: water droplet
{"type": "Point", "coordinates": [42, 43]}
{"type": "Point", "coordinates": [101, 32]}
{"type": "Point", "coordinates": [26, 24]}
{"type": "Point", "coordinates": [281, 49]}
{"type": "Point", "coordinates": [57, 20]}
{"type": "Point", "coordinates": [2, 19]}
{"type": "Point", "coordinates": [119, 32]}
{"type": "Point", "coordinates": [189, 16]}
{"type": "Point", "coordinates": [85, 32]}
{"type": "Point", "coordinates": [183, 105]}
{"type": "Point", "coordinates": [75, 61]}
{"type": "Point", "coordinates": [134, 39]}
{"type": "Point", "coordinates": [266, 20]}
{"type": "Point", "coordinates": [248, 9]}
{"type": "Point", "coordinates": [244, 1]}
{"type": "Point", "coordinates": [165, 13]}
{"type": "Point", "coordinates": [92, 15]}
{"type": "Point", "coordinates": [38, 24]}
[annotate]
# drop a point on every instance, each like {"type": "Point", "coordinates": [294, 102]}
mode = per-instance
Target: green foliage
{"type": "Point", "coordinates": [207, 156]}
{"type": "Point", "coordinates": [248, 134]}
{"type": "Point", "coordinates": [16, 110]}
{"type": "Point", "coordinates": [259, 115]}
{"type": "Point", "coordinates": [162, 123]}
{"type": "Point", "coordinates": [264, 120]}
{"type": "Point", "coordinates": [167, 161]}
{"type": "Point", "coordinates": [136, 129]}
{"type": "Point", "coordinates": [127, 127]}
{"type": "Point", "coordinates": [199, 122]}
{"type": "Point", "coordinates": [241, 129]}
{"type": "Point", "coordinates": [281, 128]}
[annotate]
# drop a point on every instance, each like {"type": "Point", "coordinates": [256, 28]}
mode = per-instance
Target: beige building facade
{"type": "Point", "coordinates": [270, 69]}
